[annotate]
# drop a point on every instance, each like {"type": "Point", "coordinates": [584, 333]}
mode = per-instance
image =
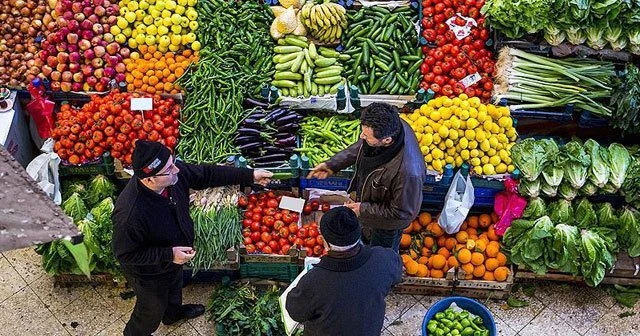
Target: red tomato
{"type": "Point", "coordinates": [265, 237]}
{"type": "Point", "coordinates": [260, 245]}
{"type": "Point", "coordinates": [247, 222]}
{"type": "Point", "coordinates": [269, 212]}
{"type": "Point", "coordinates": [285, 248]}
{"type": "Point", "coordinates": [267, 250]}
{"type": "Point", "coordinates": [268, 221]}
{"type": "Point", "coordinates": [287, 218]}
{"type": "Point", "coordinates": [274, 245]}
{"type": "Point", "coordinates": [307, 209]}
{"type": "Point", "coordinates": [313, 233]}
{"type": "Point", "coordinates": [272, 203]}
{"type": "Point", "coordinates": [435, 87]}
{"type": "Point", "coordinates": [255, 237]}
{"type": "Point", "coordinates": [265, 228]}
{"type": "Point", "coordinates": [250, 248]}
{"type": "Point", "coordinates": [284, 232]}
{"type": "Point", "coordinates": [326, 207]}
{"type": "Point", "coordinates": [299, 241]}
{"type": "Point", "coordinates": [247, 240]}
{"type": "Point", "coordinates": [310, 242]}
{"type": "Point", "coordinates": [278, 224]}
{"type": "Point", "coordinates": [317, 250]}
{"type": "Point", "coordinates": [429, 77]}
{"type": "Point", "coordinates": [255, 226]}
{"type": "Point", "coordinates": [243, 202]}
{"type": "Point", "coordinates": [257, 217]}
{"type": "Point", "coordinates": [293, 228]}
{"type": "Point", "coordinates": [302, 233]}
{"type": "Point", "coordinates": [320, 240]}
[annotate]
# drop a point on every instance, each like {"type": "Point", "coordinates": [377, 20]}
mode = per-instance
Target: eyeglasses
{"type": "Point", "coordinates": [170, 171]}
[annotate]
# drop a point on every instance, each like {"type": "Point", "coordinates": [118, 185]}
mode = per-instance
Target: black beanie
{"type": "Point", "coordinates": [149, 157]}
{"type": "Point", "coordinates": [340, 226]}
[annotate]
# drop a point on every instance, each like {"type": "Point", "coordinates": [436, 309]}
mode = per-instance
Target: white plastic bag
{"type": "Point", "coordinates": [44, 170]}
{"type": "Point", "coordinates": [457, 203]}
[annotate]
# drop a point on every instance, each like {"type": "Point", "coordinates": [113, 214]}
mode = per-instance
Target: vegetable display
{"type": "Point", "coordinates": [382, 45]}
{"type": "Point", "coordinates": [625, 102]}
{"type": "Point", "coordinates": [460, 320]}
{"type": "Point", "coordinates": [322, 138]}
{"type": "Point", "coordinates": [462, 129]}
{"type": "Point", "coordinates": [304, 70]}
{"type": "Point", "coordinates": [108, 124]}
{"type": "Point", "coordinates": [217, 227]}
{"type": "Point", "coordinates": [80, 54]}
{"type": "Point", "coordinates": [536, 82]}
{"type": "Point", "coordinates": [631, 185]}
{"type": "Point", "coordinates": [268, 138]}
{"type": "Point", "coordinates": [270, 230]}
{"type": "Point", "coordinates": [234, 62]}
{"type": "Point", "coordinates": [454, 65]}
{"type": "Point", "coordinates": [21, 22]}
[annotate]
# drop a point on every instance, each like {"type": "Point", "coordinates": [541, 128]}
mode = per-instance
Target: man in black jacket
{"type": "Point", "coordinates": [389, 174]}
{"type": "Point", "coordinates": [153, 231]}
{"type": "Point", "coordinates": [344, 294]}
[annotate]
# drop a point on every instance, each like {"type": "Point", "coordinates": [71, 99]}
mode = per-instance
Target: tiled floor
{"type": "Point", "coordinates": [31, 305]}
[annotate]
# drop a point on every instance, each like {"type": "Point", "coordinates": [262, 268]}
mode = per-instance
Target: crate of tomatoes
{"type": "Point", "coordinates": [275, 242]}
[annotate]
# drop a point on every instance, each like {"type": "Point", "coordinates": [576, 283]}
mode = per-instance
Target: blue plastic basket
{"type": "Point", "coordinates": [472, 306]}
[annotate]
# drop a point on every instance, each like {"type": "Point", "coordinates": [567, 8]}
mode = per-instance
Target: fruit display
{"type": "Point", "coordinates": [170, 25]}
{"type": "Point", "coordinates": [107, 124]}
{"type": "Point", "coordinates": [381, 43]}
{"type": "Point", "coordinates": [20, 23]}
{"type": "Point", "coordinates": [427, 251]}
{"type": "Point", "coordinates": [325, 21]}
{"type": "Point", "coordinates": [304, 70]}
{"type": "Point", "coordinates": [462, 129]}
{"type": "Point", "coordinates": [151, 71]}
{"type": "Point", "coordinates": [270, 230]}
{"type": "Point", "coordinates": [454, 65]}
{"type": "Point", "coordinates": [80, 54]}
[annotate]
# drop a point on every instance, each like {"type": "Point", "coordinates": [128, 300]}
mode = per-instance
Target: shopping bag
{"type": "Point", "coordinates": [508, 205]}
{"type": "Point", "coordinates": [457, 203]}
{"type": "Point", "coordinates": [44, 170]}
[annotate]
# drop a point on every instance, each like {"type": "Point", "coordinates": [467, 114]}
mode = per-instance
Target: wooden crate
{"type": "Point", "coordinates": [482, 289]}
{"type": "Point", "coordinates": [70, 280]}
{"type": "Point", "coordinates": [625, 272]}
{"type": "Point", "coordinates": [427, 286]}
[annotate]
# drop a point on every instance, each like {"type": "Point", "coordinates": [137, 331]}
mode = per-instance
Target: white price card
{"type": "Point", "coordinates": [292, 204]}
{"type": "Point", "coordinates": [141, 104]}
{"type": "Point", "coordinates": [461, 31]}
{"type": "Point", "coordinates": [471, 79]}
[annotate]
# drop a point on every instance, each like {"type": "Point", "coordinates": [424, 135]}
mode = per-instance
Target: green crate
{"type": "Point", "coordinates": [103, 166]}
{"type": "Point", "coordinates": [272, 271]}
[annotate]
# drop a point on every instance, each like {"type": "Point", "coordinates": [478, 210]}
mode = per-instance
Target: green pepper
{"type": "Point", "coordinates": [450, 316]}
{"type": "Point", "coordinates": [449, 310]}
{"type": "Point", "coordinates": [455, 332]}
{"type": "Point", "coordinates": [432, 326]}
{"type": "Point", "coordinates": [439, 332]}
{"type": "Point", "coordinates": [446, 329]}
{"type": "Point", "coordinates": [479, 333]}
{"type": "Point", "coordinates": [464, 314]}
{"type": "Point", "coordinates": [478, 320]}
{"type": "Point", "coordinates": [465, 322]}
{"type": "Point", "coordinates": [447, 322]}
{"type": "Point", "coordinates": [439, 316]}
{"type": "Point", "coordinates": [475, 327]}
{"type": "Point", "coordinates": [468, 331]}
{"type": "Point", "coordinates": [458, 326]}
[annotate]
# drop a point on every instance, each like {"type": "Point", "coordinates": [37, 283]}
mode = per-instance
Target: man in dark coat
{"type": "Point", "coordinates": [344, 294]}
{"type": "Point", "coordinates": [389, 174]}
{"type": "Point", "coordinates": [153, 231]}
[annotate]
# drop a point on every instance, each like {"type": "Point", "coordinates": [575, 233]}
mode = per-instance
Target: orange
{"type": "Point", "coordinates": [405, 241]}
{"type": "Point", "coordinates": [413, 254]}
{"type": "Point", "coordinates": [453, 262]}
{"type": "Point", "coordinates": [464, 226]}
{"type": "Point", "coordinates": [408, 229]}
{"type": "Point", "coordinates": [488, 276]}
{"type": "Point", "coordinates": [436, 273]}
{"type": "Point", "coordinates": [186, 52]}
{"type": "Point", "coordinates": [179, 71]}
{"type": "Point", "coordinates": [494, 217]}
{"type": "Point", "coordinates": [501, 273]}
{"type": "Point", "coordinates": [472, 232]}
{"type": "Point", "coordinates": [473, 222]}
{"type": "Point", "coordinates": [411, 267]}
{"type": "Point", "coordinates": [450, 244]}
{"type": "Point", "coordinates": [462, 237]}
{"type": "Point", "coordinates": [444, 252]}
{"type": "Point", "coordinates": [423, 271]}
{"type": "Point", "coordinates": [438, 261]}
{"type": "Point", "coordinates": [442, 241]}
{"type": "Point", "coordinates": [464, 256]}
{"type": "Point", "coordinates": [436, 230]}
{"type": "Point", "coordinates": [424, 218]}
{"type": "Point", "coordinates": [492, 251]}
{"type": "Point", "coordinates": [167, 87]}
{"type": "Point", "coordinates": [429, 242]}
{"type": "Point", "coordinates": [484, 220]}
{"type": "Point", "coordinates": [491, 264]}
{"type": "Point", "coordinates": [426, 252]}
{"type": "Point", "coordinates": [405, 258]}
{"type": "Point", "coordinates": [423, 260]}
{"type": "Point", "coordinates": [153, 80]}
{"type": "Point", "coordinates": [481, 245]}
{"type": "Point", "coordinates": [477, 258]}
{"type": "Point", "coordinates": [468, 269]}
{"type": "Point", "coordinates": [416, 226]}
{"type": "Point", "coordinates": [502, 259]}
{"type": "Point", "coordinates": [478, 271]}
{"type": "Point", "coordinates": [492, 235]}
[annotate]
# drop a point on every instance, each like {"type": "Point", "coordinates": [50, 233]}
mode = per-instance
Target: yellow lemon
{"type": "Point", "coordinates": [452, 151]}
{"type": "Point", "coordinates": [449, 160]}
{"type": "Point", "coordinates": [472, 123]}
{"type": "Point", "coordinates": [487, 125]}
{"type": "Point", "coordinates": [448, 143]}
{"type": "Point", "coordinates": [495, 129]}
{"type": "Point", "coordinates": [437, 165]}
{"type": "Point", "coordinates": [464, 154]}
{"type": "Point", "coordinates": [445, 112]}
{"type": "Point", "coordinates": [477, 170]}
{"type": "Point", "coordinates": [474, 101]}
{"type": "Point", "coordinates": [456, 101]}
{"type": "Point", "coordinates": [427, 139]}
{"type": "Point", "coordinates": [463, 96]}
{"type": "Point", "coordinates": [510, 168]}
{"type": "Point", "coordinates": [501, 168]}
{"type": "Point", "coordinates": [480, 135]}
{"type": "Point", "coordinates": [488, 169]}
{"type": "Point", "coordinates": [447, 102]}
{"type": "Point", "coordinates": [484, 160]}
{"type": "Point", "coordinates": [464, 143]}
{"type": "Point", "coordinates": [435, 115]}
{"type": "Point", "coordinates": [505, 122]}
{"type": "Point", "coordinates": [475, 161]}
{"type": "Point", "coordinates": [424, 109]}
{"type": "Point", "coordinates": [470, 134]}
{"type": "Point", "coordinates": [474, 153]}
{"type": "Point", "coordinates": [494, 160]}
{"type": "Point", "coordinates": [464, 114]}
{"type": "Point", "coordinates": [491, 152]}
{"type": "Point", "coordinates": [459, 161]}
{"type": "Point", "coordinates": [473, 112]}
{"type": "Point", "coordinates": [443, 131]}
{"type": "Point", "coordinates": [453, 135]}
{"type": "Point", "coordinates": [473, 144]}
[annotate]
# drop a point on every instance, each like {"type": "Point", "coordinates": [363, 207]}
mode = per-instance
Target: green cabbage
{"type": "Point", "coordinates": [599, 171]}
{"type": "Point", "coordinates": [77, 186]}
{"type": "Point", "coordinates": [585, 215]}
{"type": "Point", "coordinates": [561, 212]}
{"type": "Point", "coordinates": [634, 36]}
{"type": "Point", "coordinates": [74, 207]}
{"type": "Point", "coordinates": [629, 232]}
{"type": "Point", "coordinates": [595, 257]}
{"type": "Point", "coordinates": [575, 162]}
{"type": "Point", "coordinates": [631, 185]}
{"type": "Point", "coordinates": [530, 157]}
{"type": "Point", "coordinates": [529, 188]}
{"type": "Point", "coordinates": [588, 189]}
{"type": "Point", "coordinates": [548, 190]}
{"type": "Point", "coordinates": [575, 35]}
{"type": "Point", "coordinates": [566, 245]}
{"type": "Point", "coordinates": [607, 215]}
{"type": "Point", "coordinates": [566, 191]}
{"type": "Point", "coordinates": [534, 249]}
{"type": "Point", "coordinates": [595, 37]}
{"type": "Point", "coordinates": [516, 19]}
{"type": "Point", "coordinates": [619, 162]}
{"type": "Point", "coordinates": [516, 230]}
{"type": "Point", "coordinates": [553, 35]}
{"type": "Point", "coordinates": [553, 174]}
{"type": "Point", "coordinates": [613, 35]}
{"type": "Point", "coordinates": [535, 209]}
{"type": "Point", "coordinates": [100, 188]}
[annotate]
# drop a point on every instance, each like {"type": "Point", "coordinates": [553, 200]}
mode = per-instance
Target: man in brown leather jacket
{"type": "Point", "coordinates": [389, 175]}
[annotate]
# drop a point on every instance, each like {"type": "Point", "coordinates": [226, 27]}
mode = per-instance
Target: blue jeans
{"type": "Point", "coordinates": [386, 238]}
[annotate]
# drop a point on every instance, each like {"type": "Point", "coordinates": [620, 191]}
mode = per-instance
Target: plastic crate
{"type": "Point", "coordinates": [291, 168]}
{"type": "Point", "coordinates": [338, 181]}
{"type": "Point", "coordinates": [103, 165]}
{"type": "Point", "coordinates": [271, 266]}
{"type": "Point", "coordinates": [564, 113]}
{"type": "Point", "coordinates": [590, 120]}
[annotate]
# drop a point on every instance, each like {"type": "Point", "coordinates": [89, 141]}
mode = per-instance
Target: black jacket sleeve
{"type": "Point", "coordinates": [299, 302]}
{"type": "Point", "coordinates": [128, 247]}
{"type": "Point", "coordinates": [208, 176]}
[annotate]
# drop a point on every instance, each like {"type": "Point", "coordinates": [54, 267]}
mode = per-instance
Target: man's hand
{"type": "Point", "coordinates": [262, 177]}
{"type": "Point", "coordinates": [355, 207]}
{"type": "Point", "coordinates": [182, 254]}
{"type": "Point", "coordinates": [320, 171]}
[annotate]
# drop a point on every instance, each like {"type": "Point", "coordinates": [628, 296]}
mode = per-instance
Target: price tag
{"type": "Point", "coordinates": [461, 31]}
{"type": "Point", "coordinates": [471, 79]}
{"type": "Point", "coordinates": [292, 204]}
{"type": "Point", "coordinates": [141, 104]}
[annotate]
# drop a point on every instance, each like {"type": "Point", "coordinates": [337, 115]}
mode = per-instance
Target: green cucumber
{"type": "Point", "coordinates": [286, 49]}
{"type": "Point", "coordinates": [328, 80]}
{"type": "Point", "coordinates": [293, 76]}
{"type": "Point", "coordinates": [283, 83]}
{"type": "Point", "coordinates": [325, 62]}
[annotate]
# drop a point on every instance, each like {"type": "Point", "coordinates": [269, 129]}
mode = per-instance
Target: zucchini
{"type": "Point", "coordinates": [284, 83]}
{"type": "Point", "coordinates": [328, 80]}
{"type": "Point", "coordinates": [293, 76]}
{"type": "Point", "coordinates": [295, 42]}
{"type": "Point", "coordinates": [325, 62]}
{"type": "Point", "coordinates": [286, 49]}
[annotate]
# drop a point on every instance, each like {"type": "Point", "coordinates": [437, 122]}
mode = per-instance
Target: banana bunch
{"type": "Point", "coordinates": [325, 21]}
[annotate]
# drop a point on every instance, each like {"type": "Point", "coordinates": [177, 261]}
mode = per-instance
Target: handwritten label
{"type": "Point", "coordinates": [464, 30]}
{"type": "Point", "coordinates": [292, 204]}
{"type": "Point", "coordinates": [141, 104]}
{"type": "Point", "coordinates": [471, 79]}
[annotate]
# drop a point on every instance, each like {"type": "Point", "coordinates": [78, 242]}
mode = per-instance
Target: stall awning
{"type": "Point", "coordinates": [27, 215]}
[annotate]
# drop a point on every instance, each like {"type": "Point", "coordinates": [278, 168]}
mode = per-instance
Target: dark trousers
{"type": "Point", "coordinates": [155, 300]}
{"type": "Point", "coordinates": [383, 238]}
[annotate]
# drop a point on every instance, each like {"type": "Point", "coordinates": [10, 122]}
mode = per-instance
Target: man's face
{"type": "Point", "coordinates": [168, 176]}
{"type": "Point", "coordinates": [367, 135]}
